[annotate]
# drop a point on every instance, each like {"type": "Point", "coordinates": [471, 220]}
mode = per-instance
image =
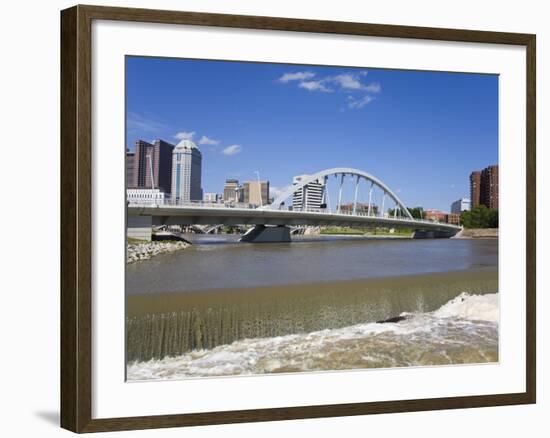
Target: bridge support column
{"type": "Point", "coordinates": [433, 234]}
{"type": "Point", "coordinates": [263, 234]}
{"type": "Point", "coordinates": [139, 227]}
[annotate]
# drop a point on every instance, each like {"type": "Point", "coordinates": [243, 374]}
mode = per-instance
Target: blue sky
{"type": "Point", "coordinates": [422, 133]}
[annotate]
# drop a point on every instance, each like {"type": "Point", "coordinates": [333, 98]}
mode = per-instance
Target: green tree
{"type": "Point", "coordinates": [416, 212]}
{"type": "Point", "coordinates": [493, 218]}
{"type": "Point", "coordinates": [480, 217]}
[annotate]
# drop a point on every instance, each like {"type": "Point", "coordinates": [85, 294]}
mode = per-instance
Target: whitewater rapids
{"type": "Point", "coordinates": [464, 330]}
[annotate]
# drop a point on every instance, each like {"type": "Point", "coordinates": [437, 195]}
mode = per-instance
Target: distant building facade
{"type": "Point", "coordinates": [460, 205]}
{"type": "Point", "coordinates": [256, 192]}
{"type": "Point", "coordinates": [129, 168]}
{"type": "Point", "coordinates": [484, 187]}
{"type": "Point", "coordinates": [211, 197]}
{"type": "Point", "coordinates": [452, 218]}
{"type": "Point", "coordinates": [361, 208]}
{"type": "Point", "coordinates": [186, 172]}
{"type": "Point", "coordinates": [153, 165]}
{"type": "Point", "coordinates": [145, 196]}
{"type": "Point", "coordinates": [310, 196]}
{"type": "Point", "coordinates": [434, 215]}
{"type": "Point", "coordinates": [232, 192]}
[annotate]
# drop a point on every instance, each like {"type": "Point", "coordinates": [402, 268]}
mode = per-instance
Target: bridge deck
{"type": "Point", "coordinates": [206, 215]}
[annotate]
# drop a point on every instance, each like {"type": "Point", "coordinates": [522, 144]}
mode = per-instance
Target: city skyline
{"type": "Point", "coordinates": [421, 132]}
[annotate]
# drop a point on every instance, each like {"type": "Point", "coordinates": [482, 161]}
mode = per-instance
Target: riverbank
{"type": "Point", "coordinates": [478, 233]}
{"type": "Point", "coordinates": [137, 251]}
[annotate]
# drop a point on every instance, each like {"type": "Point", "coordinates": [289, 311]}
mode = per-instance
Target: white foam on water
{"type": "Point", "coordinates": [472, 307]}
{"type": "Point", "coordinates": [464, 330]}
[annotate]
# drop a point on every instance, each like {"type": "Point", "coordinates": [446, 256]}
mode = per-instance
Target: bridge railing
{"type": "Point", "coordinates": [151, 203]}
{"type": "Point", "coordinates": [360, 213]}
{"type": "Point", "coordinates": [171, 203]}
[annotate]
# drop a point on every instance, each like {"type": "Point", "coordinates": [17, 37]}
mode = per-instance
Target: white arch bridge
{"type": "Point", "coordinates": [371, 199]}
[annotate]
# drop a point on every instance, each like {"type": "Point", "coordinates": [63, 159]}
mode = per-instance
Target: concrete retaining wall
{"type": "Point", "coordinates": [139, 227]}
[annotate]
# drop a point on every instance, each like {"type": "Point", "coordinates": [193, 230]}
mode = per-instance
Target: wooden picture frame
{"type": "Point", "coordinates": [76, 217]}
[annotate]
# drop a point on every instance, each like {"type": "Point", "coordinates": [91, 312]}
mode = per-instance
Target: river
{"type": "Point", "coordinates": [221, 262]}
{"type": "Point", "coordinates": [227, 308]}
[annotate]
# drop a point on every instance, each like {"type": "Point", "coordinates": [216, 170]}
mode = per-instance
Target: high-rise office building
{"type": "Point", "coordinates": [484, 187]}
{"type": "Point", "coordinates": [256, 192]}
{"type": "Point", "coordinates": [309, 196]}
{"type": "Point", "coordinates": [186, 172]}
{"type": "Point", "coordinates": [153, 165]}
{"type": "Point", "coordinates": [232, 192]}
{"type": "Point", "coordinates": [129, 168]}
{"type": "Point", "coordinates": [460, 205]}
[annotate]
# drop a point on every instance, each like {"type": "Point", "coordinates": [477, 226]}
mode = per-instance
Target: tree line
{"type": "Point", "coordinates": [480, 217]}
{"type": "Point", "coordinates": [416, 212]}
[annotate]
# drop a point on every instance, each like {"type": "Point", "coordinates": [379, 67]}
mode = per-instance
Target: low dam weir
{"type": "Point", "coordinates": [163, 325]}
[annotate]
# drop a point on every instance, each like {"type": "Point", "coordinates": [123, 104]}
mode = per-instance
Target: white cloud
{"type": "Point", "coordinates": [232, 150]}
{"type": "Point", "coordinates": [360, 103]}
{"type": "Point", "coordinates": [207, 140]}
{"type": "Point", "coordinates": [348, 81]}
{"type": "Point", "coordinates": [314, 86]}
{"type": "Point", "coordinates": [352, 82]}
{"type": "Point", "coordinates": [183, 135]}
{"type": "Point", "coordinates": [297, 76]}
{"type": "Point", "coordinates": [374, 87]}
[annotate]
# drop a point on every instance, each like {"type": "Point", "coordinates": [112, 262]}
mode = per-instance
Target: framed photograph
{"type": "Point", "coordinates": [269, 218]}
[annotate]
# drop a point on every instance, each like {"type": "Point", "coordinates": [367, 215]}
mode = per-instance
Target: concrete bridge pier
{"type": "Point", "coordinates": [266, 234]}
{"type": "Point", "coordinates": [139, 227]}
{"type": "Point", "coordinates": [433, 234]}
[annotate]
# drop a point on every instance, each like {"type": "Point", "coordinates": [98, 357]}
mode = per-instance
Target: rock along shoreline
{"type": "Point", "coordinates": [144, 251]}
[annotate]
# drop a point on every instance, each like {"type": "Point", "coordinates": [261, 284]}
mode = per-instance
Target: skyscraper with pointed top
{"type": "Point", "coordinates": [186, 172]}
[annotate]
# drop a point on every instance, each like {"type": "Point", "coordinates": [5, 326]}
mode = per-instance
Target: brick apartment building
{"type": "Point", "coordinates": [441, 216]}
{"type": "Point", "coordinates": [484, 187]}
{"type": "Point", "coordinates": [434, 215]}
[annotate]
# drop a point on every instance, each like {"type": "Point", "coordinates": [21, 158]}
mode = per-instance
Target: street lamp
{"type": "Point", "coordinates": [238, 194]}
{"type": "Point", "coordinates": [259, 187]}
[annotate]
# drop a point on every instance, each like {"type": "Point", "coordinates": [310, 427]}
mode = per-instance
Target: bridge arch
{"type": "Point", "coordinates": [323, 174]}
